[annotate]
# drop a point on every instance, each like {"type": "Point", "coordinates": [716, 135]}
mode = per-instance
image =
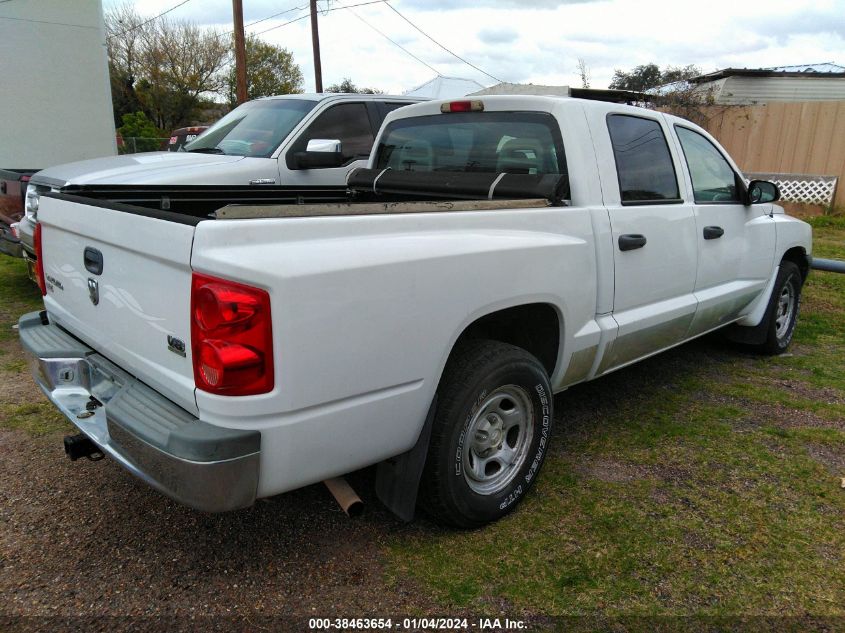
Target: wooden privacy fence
{"type": "Point", "coordinates": [804, 139]}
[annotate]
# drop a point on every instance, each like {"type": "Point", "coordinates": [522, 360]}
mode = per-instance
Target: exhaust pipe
{"type": "Point", "coordinates": [77, 446]}
{"type": "Point", "coordinates": [346, 498]}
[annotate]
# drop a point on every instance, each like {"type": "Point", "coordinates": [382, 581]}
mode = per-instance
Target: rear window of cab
{"type": "Point", "coordinates": [492, 142]}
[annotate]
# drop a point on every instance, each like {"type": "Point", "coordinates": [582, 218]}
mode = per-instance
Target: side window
{"type": "Point", "coordinates": [347, 122]}
{"type": "Point", "coordinates": [643, 162]}
{"type": "Point", "coordinates": [713, 179]}
{"type": "Point", "coordinates": [390, 106]}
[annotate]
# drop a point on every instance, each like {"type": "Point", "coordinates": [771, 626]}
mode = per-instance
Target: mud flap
{"type": "Point", "coordinates": [398, 478]}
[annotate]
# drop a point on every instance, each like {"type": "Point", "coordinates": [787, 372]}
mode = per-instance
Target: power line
{"type": "Point", "coordinates": [302, 17]}
{"type": "Point", "coordinates": [275, 15]}
{"type": "Point", "coordinates": [437, 72]}
{"type": "Point", "coordinates": [145, 22]}
{"type": "Point", "coordinates": [395, 10]}
{"type": "Point", "coordinates": [269, 17]}
{"type": "Point", "coordinates": [278, 26]}
{"type": "Point", "coordinates": [79, 26]}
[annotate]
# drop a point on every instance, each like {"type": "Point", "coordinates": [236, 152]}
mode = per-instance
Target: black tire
{"type": "Point", "coordinates": [780, 327]}
{"type": "Point", "coordinates": [486, 389]}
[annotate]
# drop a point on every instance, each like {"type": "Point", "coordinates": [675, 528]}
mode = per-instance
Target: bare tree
{"type": "Point", "coordinates": [124, 28]}
{"type": "Point", "coordinates": [689, 101]}
{"type": "Point", "coordinates": [583, 72]}
{"type": "Point", "coordinates": [163, 67]}
{"type": "Point", "coordinates": [181, 63]}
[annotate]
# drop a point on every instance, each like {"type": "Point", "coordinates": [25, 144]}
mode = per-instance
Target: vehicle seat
{"type": "Point", "coordinates": [521, 156]}
{"type": "Point", "coordinates": [414, 157]}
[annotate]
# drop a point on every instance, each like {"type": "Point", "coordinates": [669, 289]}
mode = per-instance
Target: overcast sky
{"type": "Point", "coordinates": [536, 41]}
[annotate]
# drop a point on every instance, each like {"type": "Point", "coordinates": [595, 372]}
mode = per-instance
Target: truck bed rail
{"type": "Point", "coordinates": [242, 212]}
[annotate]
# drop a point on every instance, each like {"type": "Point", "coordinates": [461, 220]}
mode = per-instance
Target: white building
{"type": "Point", "coordinates": [56, 101]}
{"type": "Point", "coordinates": [445, 88]}
{"type": "Point", "coordinates": [743, 86]}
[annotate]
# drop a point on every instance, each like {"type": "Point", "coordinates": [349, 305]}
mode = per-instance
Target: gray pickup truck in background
{"type": "Point", "coordinates": [300, 141]}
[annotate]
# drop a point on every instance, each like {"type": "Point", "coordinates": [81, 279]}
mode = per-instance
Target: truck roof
{"type": "Point", "coordinates": [515, 102]}
{"type": "Point", "coordinates": [357, 96]}
{"type": "Point", "coordinates": [536, 103]}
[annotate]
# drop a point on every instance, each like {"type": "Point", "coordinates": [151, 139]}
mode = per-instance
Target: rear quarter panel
{"type": "Point", "coordinates": [366, 310]}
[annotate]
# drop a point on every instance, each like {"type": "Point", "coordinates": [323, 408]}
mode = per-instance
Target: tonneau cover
{"type": "Point", "coordinates": [457, 185]}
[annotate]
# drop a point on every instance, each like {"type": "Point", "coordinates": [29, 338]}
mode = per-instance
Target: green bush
{"type": "Point", "coordinates": [147, 137]}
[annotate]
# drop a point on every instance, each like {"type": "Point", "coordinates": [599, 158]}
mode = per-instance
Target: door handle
{"type": "Point", "coordinates": [631, 241]}
{"type": "Point", "coordinates": [713, 232]}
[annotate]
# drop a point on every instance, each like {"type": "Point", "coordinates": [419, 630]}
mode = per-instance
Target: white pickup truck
{"type": "Point", "coordinates": [496, 252]}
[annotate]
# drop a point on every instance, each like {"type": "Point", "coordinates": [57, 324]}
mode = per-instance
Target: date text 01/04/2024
{"type": "Point", "coordinates": [445, 624]}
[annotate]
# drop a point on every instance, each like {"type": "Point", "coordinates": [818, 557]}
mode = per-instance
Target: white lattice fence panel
{"type": "Point", "coordinates": [801, 187]}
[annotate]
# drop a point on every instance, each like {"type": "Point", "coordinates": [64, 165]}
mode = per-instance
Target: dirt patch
{"type": "Point", "coordinates": [87, 539]}
{"type": "Point", "coordinates": [831, 457]}
{"type": "Point", "coordinates": [810, 392]}
{"type": "Point", "coordinates": [18, 387]}
{"type": "Point", "coordinates": [616, 471]}
{"type": "Point", "coordinates": [757, 415]}
{"type": "Point", "coordinates": [609, 471]}
{"type": "Point", "coordinates": [774, 415]}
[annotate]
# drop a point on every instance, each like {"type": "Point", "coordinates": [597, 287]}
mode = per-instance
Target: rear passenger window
{"type": "Point", "coordinates": [643, 163]}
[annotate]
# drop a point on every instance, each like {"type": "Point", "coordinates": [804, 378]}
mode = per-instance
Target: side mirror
{"type": "Point", "coordinates": [320, 153]}
{"type": "Point", "coordinates": [762, 191]}
{"type": "Point", "coordinates": [324, 145]}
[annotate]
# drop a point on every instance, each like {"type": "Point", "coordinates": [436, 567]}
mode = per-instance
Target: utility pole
{"type": "Point", "coordinates": [240, 51]}
{"type": "Point", "coordinates": [315, 41]}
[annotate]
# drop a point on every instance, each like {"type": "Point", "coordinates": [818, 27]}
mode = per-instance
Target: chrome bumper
{"type": "Point", "coordinates": [204, 466]}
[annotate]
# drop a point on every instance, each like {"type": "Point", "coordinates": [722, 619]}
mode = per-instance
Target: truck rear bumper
{"type": "Point", "coordinates": [204, 466]}
{"type": "Point", "coordinates": [9, 244]}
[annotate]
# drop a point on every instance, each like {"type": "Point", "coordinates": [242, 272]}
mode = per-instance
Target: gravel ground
{"type": "Point", "coordinates": [86, 539]}
{"type": "Point", "coordinates": [82, 543]}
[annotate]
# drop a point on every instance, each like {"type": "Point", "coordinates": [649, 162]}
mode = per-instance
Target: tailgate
{"type": "Point", "coordinates": [136, 309]}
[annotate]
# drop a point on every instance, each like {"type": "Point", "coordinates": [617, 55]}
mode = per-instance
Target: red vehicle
{"type": "Point", "coordinates": [183, 135]}
{"type": "Point", "coordinates": [12, 193]}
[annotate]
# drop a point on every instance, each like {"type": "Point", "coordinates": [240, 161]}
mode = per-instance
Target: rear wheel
{"type": "Point", "coordinates": [490, 433]}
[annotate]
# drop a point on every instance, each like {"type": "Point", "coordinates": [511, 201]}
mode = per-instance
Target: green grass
{"type": "Point", "coordinates": [19, 295]}
{"type": "Point", "coordinates": [691, 483]}
{"type": "Point", "coordinates": [37, 418]}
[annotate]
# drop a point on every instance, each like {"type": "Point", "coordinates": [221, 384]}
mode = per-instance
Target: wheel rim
{"type": "Point", "coordinates": [785, 310]}
{"type": "Point", "coordinates": [497, 440]}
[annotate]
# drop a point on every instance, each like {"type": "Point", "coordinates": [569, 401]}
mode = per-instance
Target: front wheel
{"type": "Point", "coordinates": [490, 433]}
{"type": "Point", "coordinates": [782, 312]}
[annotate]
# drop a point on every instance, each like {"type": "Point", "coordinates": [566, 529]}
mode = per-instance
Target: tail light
{"type": "Point", "coordinates": [39, 262]}
{"type": "Point", "coordinates": [231, 337]}
{"type": "Point", "coordinates": [462, 106]}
